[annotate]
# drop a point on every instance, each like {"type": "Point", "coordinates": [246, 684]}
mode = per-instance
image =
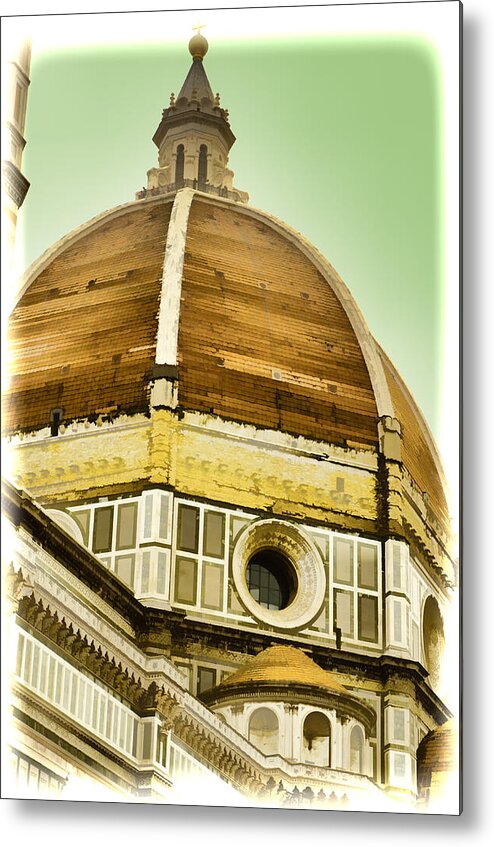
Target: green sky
{"type": "Point", "coordinates": [340, 138]}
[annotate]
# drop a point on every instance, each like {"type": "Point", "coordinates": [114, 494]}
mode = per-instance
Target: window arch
{"type": "Point", "coordinates": [202, 173]}
{"type": "Point", "coordinates": [264, 730]}
{"type": "Point", "coordinates": [356, 749]}
{"type": "Point", "coordinates": [433, 635]}
{"type": "Point", "coordinates": [179, 166]}
{"type": "Point", "coordinates": [317, 739]}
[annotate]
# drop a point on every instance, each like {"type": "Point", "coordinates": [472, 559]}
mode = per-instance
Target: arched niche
{"type": "Point", "coordinates": [179, 166]}
{"type": "Point", "coordinates": [356, 750]}
{"type": "Point", "coordinates": [264, 730]}
{"type": "Point", "coordinates": [433, 639]}
{"type": "Point", "coordinates": [202, 173]}
{"type": "Point", "coordinates": [317, 739]}
{"type": "Point", "coordinates": [67, 523]}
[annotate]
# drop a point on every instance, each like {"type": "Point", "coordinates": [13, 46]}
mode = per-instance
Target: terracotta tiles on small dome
{"type": "Point", "coordinates": [285, 666]}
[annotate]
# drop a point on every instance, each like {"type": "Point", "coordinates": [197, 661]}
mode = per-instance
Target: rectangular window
{"type": "Point", "coordinates": [367, 618]}
{"type": "Point", "coordinates": [212, 586]}
{"type": "Point", "coordinates": [126, 526]}
{"type": "Point", "coordinates": [343, 612]}
{"type": "Point", "coordinates": [164, 510]}
{"type": "Point", "coordinates": [397, 622]}
{"type": "Point", "coordinates": [343, 561]}
{"type": "Point", "coordinates": [146, 741]}
{"type": "Point", "coordinates": [161, 573]}
{"type": "Point", "coordinates": [145, 568]}
{"type": "Point", "coordinates": [103, 528]}
{"type": "Point", "coordinates": [206, 679]}
{"type": "Point", "coordinates": [148, 516]}
{"type": "Point", "coordinates": [399, 765]}
{"type": "Point", "coordinates": [367, 566]}
{"type": "Point", "coordinates": [188, 528]}
{"type": "Point", "coordinates": [399, 724]}
{"type": "Point", "coordinates": [214, 534]}
{"type": "Point", "coordinates": [186, 581]}
{"type": "Point", "coordinates": [124, 568]}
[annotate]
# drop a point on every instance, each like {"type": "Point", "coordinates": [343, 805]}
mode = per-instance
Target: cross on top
{"type": "Point", "coordinates": [198, 28]}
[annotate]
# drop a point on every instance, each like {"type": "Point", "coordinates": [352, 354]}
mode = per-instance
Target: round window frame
{"type": "Point", "coordinates": [296, 546]}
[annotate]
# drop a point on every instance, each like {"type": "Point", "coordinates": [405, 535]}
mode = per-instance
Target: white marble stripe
{"type": "Point", "coordinates": [171, 280]}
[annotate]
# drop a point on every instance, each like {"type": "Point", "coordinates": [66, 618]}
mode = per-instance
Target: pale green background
{"type": "Point", "coordinates": [340, 138]}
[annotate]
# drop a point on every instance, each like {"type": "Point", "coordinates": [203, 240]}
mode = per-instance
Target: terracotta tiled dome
{"type": "Point", "coordinates": [268, 333]}
{"type": "Point", "coordinates": [436, 757]}
{"type": "Point", "coordinates": [284, 666]}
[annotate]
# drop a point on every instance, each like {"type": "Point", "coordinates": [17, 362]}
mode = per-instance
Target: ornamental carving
{"type": "Point", "coordinates": [302, 554]}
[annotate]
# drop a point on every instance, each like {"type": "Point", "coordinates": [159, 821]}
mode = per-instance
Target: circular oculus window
{"type": "Point", "coordinates": [279, 574]}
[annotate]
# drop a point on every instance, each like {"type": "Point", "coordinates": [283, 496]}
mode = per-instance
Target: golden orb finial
{"type": "Point", "coordinates": [198, 46]}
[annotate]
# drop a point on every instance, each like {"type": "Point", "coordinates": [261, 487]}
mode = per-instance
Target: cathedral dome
{"type": "Point", "coordinates": [249, 321]}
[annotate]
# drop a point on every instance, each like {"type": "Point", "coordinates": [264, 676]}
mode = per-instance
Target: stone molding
{"type": "Point", "coordinates": [301, 552]}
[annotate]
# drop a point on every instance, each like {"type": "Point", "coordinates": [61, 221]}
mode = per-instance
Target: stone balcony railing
{"type": "Point", "coordinates": [204, 187]}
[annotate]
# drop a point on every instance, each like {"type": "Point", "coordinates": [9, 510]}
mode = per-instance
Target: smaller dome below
{"type": "Point", "coordinates": [284, 666]}
{"type": "Point", "coordinates": [437, 758]}
{"type": "Point", "coordinates": [198, 46]}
